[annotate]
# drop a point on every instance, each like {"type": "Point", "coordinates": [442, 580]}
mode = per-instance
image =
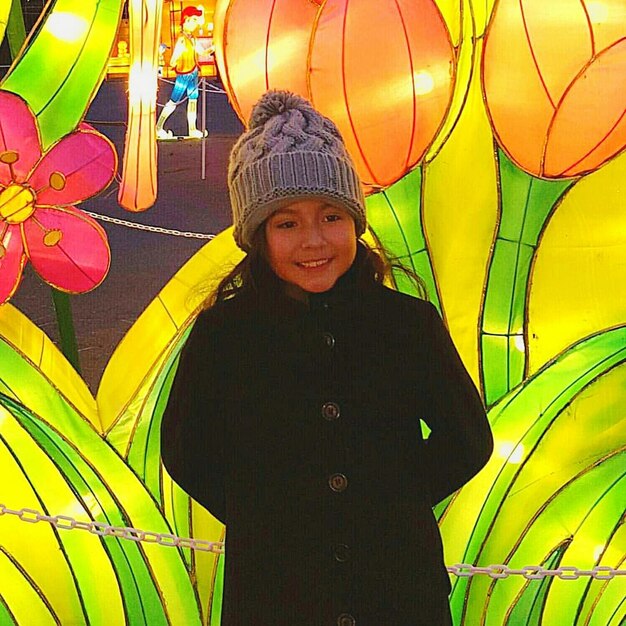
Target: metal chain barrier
{"type": "Point", "coordinates": [535, 572]}
{"type": "Point", "coordinates": [64, 522]}
{"type": "Point", "coordinates": [151, 229]}
{"type": "Point", "coordinates": [463, 570]}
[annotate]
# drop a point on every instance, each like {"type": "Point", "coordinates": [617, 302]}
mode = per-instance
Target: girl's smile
{"type": "Point", "coordinates": [310, 243]}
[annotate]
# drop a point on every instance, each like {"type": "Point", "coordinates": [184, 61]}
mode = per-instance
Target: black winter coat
{"type": "Point", "coordinates": [298, 426]}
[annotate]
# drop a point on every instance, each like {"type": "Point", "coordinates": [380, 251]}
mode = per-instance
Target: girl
{"type": "Point", "coordinates": [295, 412]}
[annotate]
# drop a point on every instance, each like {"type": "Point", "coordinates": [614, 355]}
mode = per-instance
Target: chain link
{"type": "Point", "coordinates": [101, 529]}
{"type": "Point", "coordinates": [463, 570]}
{"type": "Point", "coordinates": [535, 572]}
{"type": "Point", "coordinates": [151, 229]}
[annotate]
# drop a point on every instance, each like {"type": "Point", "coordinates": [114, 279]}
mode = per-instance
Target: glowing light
{"type": "Point", "coordinates": [598, 12]}
{"type": "Point", "coordinates": [67, 27]}
{"type": "Point", "coordinates": [423, 82]}
{"type": "Point", "coordinates": [598, 551]}
{"type": "Point", "coordinates": [513, 453]}
{"type": "Point", "coordinates": [142, 83]}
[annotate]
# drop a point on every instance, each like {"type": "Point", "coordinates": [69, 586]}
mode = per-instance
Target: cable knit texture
{"type": "Point", "coordinates": [290, 152]}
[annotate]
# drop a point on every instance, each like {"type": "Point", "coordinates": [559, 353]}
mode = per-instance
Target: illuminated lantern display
{"type": "Point", "coordinates": [513, 213]}
{"type": "Point", "coordinates": [388, 99]}
{"type": "Point", "coordinates": [68, 248]}
{"type": "Point", "coordinates": [64, 451]}
{"type": "Point", "coordinates": [59, 70]}
{"type": "Point", "coordinates": [260, 45]}
{"type": "Point", "coordinates": [138, 188]}
{"type": "Point", "coordinates": [557, 103]}
{"type": "Point", "coordinates": [388, 105]}
{"type": "Point", "coordinates": [557, 100]}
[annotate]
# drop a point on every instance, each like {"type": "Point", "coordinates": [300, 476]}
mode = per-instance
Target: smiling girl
{"type": "Point", "coordinates": [295, 412]}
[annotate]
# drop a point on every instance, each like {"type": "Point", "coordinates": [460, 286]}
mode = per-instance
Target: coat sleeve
{"type": "Point", "coordinates": [460, 442]}
{"type": "Point", "coordinates": [192, 429]}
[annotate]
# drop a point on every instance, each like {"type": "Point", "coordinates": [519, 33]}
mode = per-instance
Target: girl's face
{"type": "Point", "coordinates": [310, 243]}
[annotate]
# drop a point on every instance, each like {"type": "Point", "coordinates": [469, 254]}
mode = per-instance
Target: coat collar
{"type": "Point", "coordinates": [346, 292]}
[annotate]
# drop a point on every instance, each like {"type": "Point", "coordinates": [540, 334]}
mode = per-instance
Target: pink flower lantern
{"type": "Point", "coordinates": [67, 248]}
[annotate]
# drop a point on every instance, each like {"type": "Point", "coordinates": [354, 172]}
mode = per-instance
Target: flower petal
{"type": "Point", "coordinates": [87, 161]}
{"type": "Point", "coordinates": [518, 103]}
{"type": "Point", "coordinates": [390, 107]}
{"type": "Point", "coordinates": [590, 125]}
{"type": "Point", "coordinates": [608, 21]}
{"type": "Point", "coordinates": [12, 261]}
{"type": "Point", "coordinates": [18, 133]}
{"type": "Point", "coordinates": [68, 249]}
{"type": "Point", "coordinates": [560, 41]}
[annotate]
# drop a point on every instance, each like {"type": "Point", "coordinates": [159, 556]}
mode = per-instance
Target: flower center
{"type": "Point", "coordinates": [17, 203]}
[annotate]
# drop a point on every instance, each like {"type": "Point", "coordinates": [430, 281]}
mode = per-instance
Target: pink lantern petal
{"type": "Point", "coordinates": [18, 133]}
{"type": "Point", "coordinates": [87, 161]}
{"type": "Point", "coordinates": [12, 261]}
{"type": "Point", "coordinates": [68, 249]}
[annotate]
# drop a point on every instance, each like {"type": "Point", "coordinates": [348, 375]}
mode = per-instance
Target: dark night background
{"type": "Point", "coordinates": [141, 262]}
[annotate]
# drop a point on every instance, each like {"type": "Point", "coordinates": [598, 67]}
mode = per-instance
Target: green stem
{"type": "Point", "coordinates": [16, 31]}
{"type": "Point", "coordinates": [395, 216]}
{"type": "Point", "coordinates": [526, 204]}
{"type": "Point", "coordinates": [65, 323]}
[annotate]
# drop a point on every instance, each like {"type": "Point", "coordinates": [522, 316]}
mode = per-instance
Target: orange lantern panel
{"type": "Point", "coordinates": [383, 71]}
{"type": "Point", "coordinates": [262, 44]}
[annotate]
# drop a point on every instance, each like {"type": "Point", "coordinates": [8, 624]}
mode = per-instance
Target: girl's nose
{"type": "Point", "coordinates": [313, 236]}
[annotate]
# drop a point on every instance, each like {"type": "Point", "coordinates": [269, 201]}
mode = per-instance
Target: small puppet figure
{"type": "Point", "coordinates": [184, 61]}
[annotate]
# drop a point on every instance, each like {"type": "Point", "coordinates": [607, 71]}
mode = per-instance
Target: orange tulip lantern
{"type": "Point", "coordinates": [555, 83]}
{"type": "Point", "coordinates": [383, 70]}
{"type": "Point", "coordinates": [554, 79]}
{"type": "Point", "coordinates": [262, 44]}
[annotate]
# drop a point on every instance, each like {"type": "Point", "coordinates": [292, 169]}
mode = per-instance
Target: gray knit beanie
{"type": "Point", "coordinates": [289, 152]}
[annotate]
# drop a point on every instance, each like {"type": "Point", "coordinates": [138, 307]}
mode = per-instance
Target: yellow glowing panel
{"type": "Point", "coordinates": [460, 217]}
{"type": "Point", "coordinates": [35, 483]}
{"type": "Point", "coordinates": [30, 341]}
{"type": "Point", "coordinates": [578, 278]}
{"type": "Point", "coordinates": [152, 332]}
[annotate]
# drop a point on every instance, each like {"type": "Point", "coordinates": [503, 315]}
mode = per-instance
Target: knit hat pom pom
{"type": "Point", "coordinates": [274, 103]}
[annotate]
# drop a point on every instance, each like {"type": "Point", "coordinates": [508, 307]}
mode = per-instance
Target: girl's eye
{"type": "Point", "coordinates": [285, 224]}
{"type": "Point", "coordinates": [332, 217]}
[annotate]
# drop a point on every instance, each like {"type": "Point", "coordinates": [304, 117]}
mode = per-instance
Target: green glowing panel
{"type": "Point", "coordinates": [63, 64]}
{"type": "Point", "coordinates": [395, 217]}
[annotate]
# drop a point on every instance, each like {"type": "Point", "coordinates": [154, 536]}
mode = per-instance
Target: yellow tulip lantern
{"type": "Point", "coordinates": [554, 77]}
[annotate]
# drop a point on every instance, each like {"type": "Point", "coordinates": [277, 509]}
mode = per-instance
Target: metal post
{"type": "Point", "coordinates": [204, 128]}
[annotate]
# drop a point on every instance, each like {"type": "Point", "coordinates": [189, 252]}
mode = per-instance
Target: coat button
{"type": "Point", "coordinates": [345, 619]}
{"type": "Point", "coordinates": [330, 411]}
{"type": "Point", "coordinates": [338, 482]}
{"type": "Point", "coordinates": [341, 553]}
{"type": "Point", "coordinates": [329, 340]}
